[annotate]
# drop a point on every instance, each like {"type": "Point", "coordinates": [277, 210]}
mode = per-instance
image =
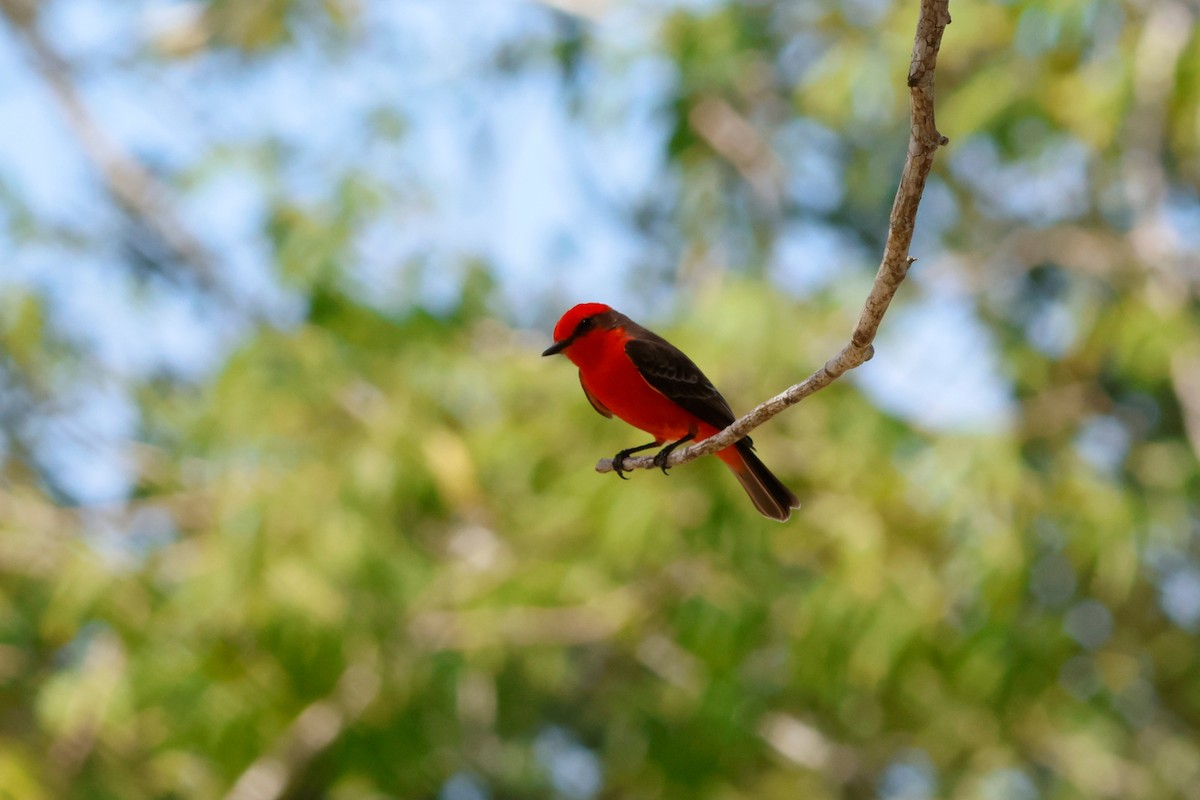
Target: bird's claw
{"type": "Point", "coordinates": [616, 464]}
{"type": "Point", "coordinates": [660, 458]}
{"type": "Point", "coordinates": [624, 454]}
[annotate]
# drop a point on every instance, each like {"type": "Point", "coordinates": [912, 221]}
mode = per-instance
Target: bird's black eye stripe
{"type": "Point", "coordinates": [585, 323]}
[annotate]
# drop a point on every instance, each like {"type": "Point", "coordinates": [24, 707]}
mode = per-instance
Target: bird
{"type": "Point", "coordinates": [634, 374]}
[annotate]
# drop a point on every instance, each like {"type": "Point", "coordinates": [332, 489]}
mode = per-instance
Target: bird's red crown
{"type": "Point", "coordinates": [568, 322]}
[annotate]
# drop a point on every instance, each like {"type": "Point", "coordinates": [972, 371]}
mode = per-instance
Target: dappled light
{"type": "Point", "coordinates": [291, 506]}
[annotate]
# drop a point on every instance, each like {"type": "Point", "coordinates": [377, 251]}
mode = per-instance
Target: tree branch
{"type": "Point", "coordinates": [923, 142]}
{"type": "Point", "coordinates": [134, 187]}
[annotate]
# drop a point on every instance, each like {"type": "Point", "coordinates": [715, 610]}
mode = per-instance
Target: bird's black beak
{"type": "Point", "coordinates": [556, 348]}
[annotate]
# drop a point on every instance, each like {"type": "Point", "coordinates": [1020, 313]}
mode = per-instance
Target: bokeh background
{"type": "Point", "coordinates": [291, 508]}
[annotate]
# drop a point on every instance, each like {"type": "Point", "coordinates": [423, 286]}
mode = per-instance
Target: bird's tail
{"type": "Point", "coordinates": [767, 492]}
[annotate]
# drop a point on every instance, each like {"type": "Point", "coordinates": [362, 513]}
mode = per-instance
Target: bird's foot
{"type": "Point", "coordinates": [624, 454]}
{"type": "Point", "coordinates": [617, 459]}
{"type": "Point", "coordinates": [660, 458]}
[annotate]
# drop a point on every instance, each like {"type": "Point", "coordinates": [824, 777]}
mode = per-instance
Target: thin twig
{"type": "Point", "coordinates": [923, 142]}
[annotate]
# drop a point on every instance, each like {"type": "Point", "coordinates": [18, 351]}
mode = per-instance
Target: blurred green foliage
{"type": "Point", "coordinates": [369, 557]}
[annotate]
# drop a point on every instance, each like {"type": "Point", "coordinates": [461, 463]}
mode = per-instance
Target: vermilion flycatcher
{"type": "Point", "coordinates": [642, 378]}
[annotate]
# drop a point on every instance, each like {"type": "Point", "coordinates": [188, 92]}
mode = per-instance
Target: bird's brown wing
{"type": "Point", "coordinates": [668, 370]}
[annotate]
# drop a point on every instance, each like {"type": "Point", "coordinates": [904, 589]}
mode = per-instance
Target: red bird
{"type": "Point", "coordinates": [642, 378]}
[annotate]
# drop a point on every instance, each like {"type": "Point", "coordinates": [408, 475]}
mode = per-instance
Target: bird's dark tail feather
{"type": "Point", "coordinates": [767, 492]}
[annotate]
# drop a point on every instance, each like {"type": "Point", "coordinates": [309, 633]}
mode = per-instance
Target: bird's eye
{"type": "Point", "coordinates": [585, 323]}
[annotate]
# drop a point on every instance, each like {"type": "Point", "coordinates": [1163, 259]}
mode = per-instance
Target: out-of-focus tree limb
{"type": "Point", "coordinates": [522, 626]}
{"type": "Point", "coordinates": [127, 180]}
{"type": "Point", "coordinates": [591, 9]}
{"type": "Point", "coordinates": [732, 135]}
{"type": "Point", "coordinates": [924, 141]}
{"type": "Point", "coordinates": [314, 729]}
{"type": "Point", "coordinates": [1185, 375]}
